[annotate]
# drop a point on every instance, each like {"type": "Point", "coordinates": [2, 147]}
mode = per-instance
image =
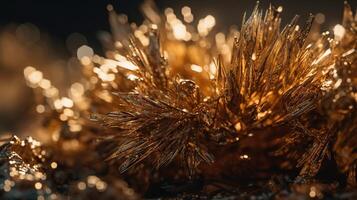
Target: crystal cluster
{"type": "Point", "coordinates": [176, 108]}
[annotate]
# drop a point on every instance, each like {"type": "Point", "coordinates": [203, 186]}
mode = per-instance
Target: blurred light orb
{"type": "Point", "coordinates": [339, 31]}
{"type": "Point", "coordinates": [74, 41]}
{"type": "Point", "coordinates": [320, 18]}
{"type": "Point", "coordinates": [84, 50]}
{"type": "Point", "coordinates": [28, 33]}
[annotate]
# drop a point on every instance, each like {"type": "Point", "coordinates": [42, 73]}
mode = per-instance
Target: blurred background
{"type": "Point", "coordinates": [47, 35]}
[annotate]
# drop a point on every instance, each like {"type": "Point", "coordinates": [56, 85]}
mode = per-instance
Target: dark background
{"type": "Point", "coordinates": [60, 18]}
